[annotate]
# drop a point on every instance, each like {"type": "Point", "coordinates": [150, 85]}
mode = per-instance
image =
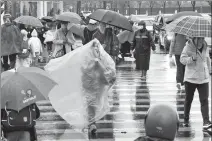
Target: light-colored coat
{"type": "Point", "coordinates": [196, 72]}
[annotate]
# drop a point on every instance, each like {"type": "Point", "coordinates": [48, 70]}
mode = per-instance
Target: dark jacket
{"type": "Point", "coordinates": [142, 41]}
{"type": "Point", "coordinates": [88, 35]}
{"type": "Point", "coordinates": [11, 39]}
{"type": "Point", "coordinates": [98, 35]}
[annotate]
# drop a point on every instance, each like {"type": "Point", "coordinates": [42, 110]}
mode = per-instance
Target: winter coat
{"type": "Point", "coordinates": [196, 72]}
{"type": "Point", "coordinates": [143, 41]}
{"type": "Point", "coordinates": [11, 39]}
{"type": "Point", "coordinates": [177, 44]}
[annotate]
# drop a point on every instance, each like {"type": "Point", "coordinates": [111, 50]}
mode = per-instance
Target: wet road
{"type": "Point", "coordinates": [131, 99]}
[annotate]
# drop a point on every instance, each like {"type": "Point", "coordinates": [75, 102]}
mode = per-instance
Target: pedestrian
{"type": "Point", "coordinates": [19, 129]}
{"type": "Point", "coordinates": [78, 42]}
{"type": "Point", "coordinates": [25, 57]}
{"type": "Point", "coordinates": [11, 40]}
{"type": "Point", "coordinates": [177, 44]}
{"type": "Point", "coordinates": [89, 31]}
{"type": "Point", "coordinates": [63, 39]}
{"type": "Point", "coordinates": [100, 34]}
{"type": "Point", "coordinates": [161, 124]}
{"type": "Point", "coordinates": [36, 47]}
{"type": "Point", "coordinates": [195, 56]}
{"type": "Point", "coordinates": [141, 45]}
{"type": "Point", "coordinates": [112, 43]}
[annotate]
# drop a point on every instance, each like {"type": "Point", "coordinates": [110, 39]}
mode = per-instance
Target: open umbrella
{"type": "Point", "coordinates": [76, 29]}
{"type": "Point", "coordinates": [29, 20]}
{"type": "Point", "coordinates": [180, 14]}
{"type": "Point", "coordinates": [191, 26]}
{"type": "Point", "coordinates": [48, 19]}
{"type": "Point", "coordinates": [24, 87]}
{"type": "Point", "coordinates": [111, 18]}
{"type": "Point", "coordinates": [69, 17]}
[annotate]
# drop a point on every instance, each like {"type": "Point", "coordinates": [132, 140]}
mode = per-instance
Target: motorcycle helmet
{"type": "Point", "coordinates": [161, 121]}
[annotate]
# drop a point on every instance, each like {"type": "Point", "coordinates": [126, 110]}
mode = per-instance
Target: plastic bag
{"type": "Point", "coordinates": [172, 62]}
{"type": "Point", "coordinates": [85, 77]}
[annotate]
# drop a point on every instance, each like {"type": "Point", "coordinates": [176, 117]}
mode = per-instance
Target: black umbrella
{"type": "Point", "coordinates": [111, 18]}
{"type": "Point", "coordinates": [180, 14]}
{"type": "Point", "coordinates": [48, 19]}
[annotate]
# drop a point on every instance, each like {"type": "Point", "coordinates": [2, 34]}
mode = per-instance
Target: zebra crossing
{"type": "Point", "coordinates": [129, 103]}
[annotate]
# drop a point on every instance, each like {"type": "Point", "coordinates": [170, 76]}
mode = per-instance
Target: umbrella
{"type": "Point", "coordinates": [191, 26]}
{"type": "Point", "coordinates": [111, 18]}
{"type": "Point", "coordinates": [48, 19]}
{"type": "Point", "coordinates": [69, 17]}
{"type": "Point", "coordinates": [180, 14]}
{"type": "Point", "coordinates": [77, 29]}
{"type": "Point", "coordinates": [29, 20]}
{"type": "Point", "coordinates": [24, 87]}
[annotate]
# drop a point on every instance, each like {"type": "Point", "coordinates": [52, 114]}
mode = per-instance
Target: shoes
{"type": "Point", "coordinates": [178, 86]}
{"type": "Point", "coordinates": [186, 122]}
{"type": "Point", "coordinates": [183, 87]}
{"type": "Point", "coordinates": [207, 125]}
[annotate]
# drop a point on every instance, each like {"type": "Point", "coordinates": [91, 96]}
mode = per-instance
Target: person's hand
{"type": "Point", "coordinates": [24, 51]}
{"type": "Point", "coordinates": [194, 58]}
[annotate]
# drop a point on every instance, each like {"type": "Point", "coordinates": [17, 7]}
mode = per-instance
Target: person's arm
{"type": "Point", "coordinates": [171, 46]}
{"type": "Point", "coordinates": [185, 58]}
{"type": "Point", "coordinates": [70, 38]}
{"type": "Point", "coordinates": [151, 41]}
{"type": "Point", "coordinates": [133, 43]}
{"type": "Point", "coordinates": [208, 61]}
{"type": "Point", "coordinates": [56, 40]}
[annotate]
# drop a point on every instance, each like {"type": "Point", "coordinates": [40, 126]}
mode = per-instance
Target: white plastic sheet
{"type": "Point", "coordinates": [85, 77]}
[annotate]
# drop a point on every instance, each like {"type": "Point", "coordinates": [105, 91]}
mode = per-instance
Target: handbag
{"type": "Point", "coordinates": [24, 55]}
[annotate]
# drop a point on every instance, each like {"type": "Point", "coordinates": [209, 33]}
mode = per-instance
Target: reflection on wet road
{"type": "Point", "coordinates": [132, 97]}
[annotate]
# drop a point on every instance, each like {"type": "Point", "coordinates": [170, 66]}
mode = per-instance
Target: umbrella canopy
{"type": "Point", "coordinates": [180, 14]}
{"type": "Point", "coordinates": [48, 19]}
{"type": "Point", "coordinates": [111, 18]}
{"type": "Point", "coordinates": [24, 87]}
{"type": "Point", "coordinates": [69, 17]}
{"type": "Point", "coordinates": [191, 26]}
{"type": "Point", "coordinates": [77, 29]}
{"type": "Point", "coordinates": [29, 20]}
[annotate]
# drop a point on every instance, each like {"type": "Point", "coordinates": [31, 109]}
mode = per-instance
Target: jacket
{"type": "Point", "coordinates": [196, 72]}
{"type": "Point", "coordinates": [177, 44]}
{"type": "Point", "coordinates": [35, 44]}
{"type": "Point", "coordinates": [142, 41]}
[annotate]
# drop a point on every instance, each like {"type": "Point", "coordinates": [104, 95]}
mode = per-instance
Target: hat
{"type": "Point", "coordinates": [91, 21]}
{"type": "Point", "coordinates": [34, 33]}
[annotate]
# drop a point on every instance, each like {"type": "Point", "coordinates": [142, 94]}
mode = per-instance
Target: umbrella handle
{"type": "Point", "coordinates": [6, 108]}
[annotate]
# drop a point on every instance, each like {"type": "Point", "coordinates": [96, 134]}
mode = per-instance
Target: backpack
{"type": "Point", "coordinates": [23, 120]}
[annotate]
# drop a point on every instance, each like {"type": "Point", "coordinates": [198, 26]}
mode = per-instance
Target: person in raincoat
{"type": "Point", "coordinates": [100, 34]}
{"type": "Point", "coordinates": [25, 60]}
{"type": "Point", "coordinates": [89, 31]}
{"type": "Point", "coordinates": [11, 40]}
{"type": "Point", "coordinates": [177, 44]}
{"type": "Point", "coordinates": [195, 56]}
{"type": "Point", "coordinates": [161, 123]}
{"type": "Point", "coordinates": [141, 43]}
{"type": "Point", "coordinates": [36, 47]}
{"type": "Point", "coordinates": [63, 39]}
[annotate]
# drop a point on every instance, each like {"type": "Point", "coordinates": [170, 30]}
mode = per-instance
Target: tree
{"type": "Point", "coordinates": [179, 3]}
{"type": "Point", "coordinates": [164, 6]}
{"type": "Point", "coordinates": [151, 5]}
{"type": "Point", "coordinates": [193, 3]}
{"type": "Point", "coordinates": [139, 6]}
{"type": "Point", "coordinates": [210, 3]}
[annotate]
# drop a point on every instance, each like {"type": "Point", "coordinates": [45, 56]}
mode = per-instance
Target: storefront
{"type": "Point", "coordinates": [41, 8]}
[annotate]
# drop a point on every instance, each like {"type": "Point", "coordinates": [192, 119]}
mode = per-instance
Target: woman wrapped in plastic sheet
{"type": "Point", "coordinates": [85, 77]}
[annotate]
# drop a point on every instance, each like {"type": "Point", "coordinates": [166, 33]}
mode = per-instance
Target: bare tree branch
{"type": "Point", "coordinates": [179, 3]}
{"type": "Point", "coordinates": [193, 3]}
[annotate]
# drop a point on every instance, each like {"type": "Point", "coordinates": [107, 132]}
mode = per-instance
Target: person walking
{"type": "Point", "coordinates": [142, 42]}
{"type": "Point", "coordinates": [177, 44]}
{"type": "Point", "coordinates": [195, 56]}
{"type": "Point", "coordinates": [63, 39]}
{"type": "Point", "coordinates": [36, 47]}
{"type": "Point", "coordinates": [11, 40]}
{"type": "Point", "coordinates": [89, 31]}
{"type": "Point", "coordinates": [100, 34]}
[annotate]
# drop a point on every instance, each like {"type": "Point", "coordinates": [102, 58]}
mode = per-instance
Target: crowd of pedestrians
{"type": "Point", "coordinates": [31, 46]}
